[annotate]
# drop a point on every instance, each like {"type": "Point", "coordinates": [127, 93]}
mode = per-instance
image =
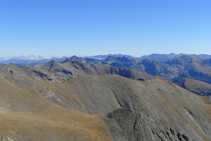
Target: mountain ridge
{"type": "Point", "coordinates": [182, 114]}
{"type": "Point", "coordinates": [31, 59]}
{"type": "Point", "coordinates": [72, 100]}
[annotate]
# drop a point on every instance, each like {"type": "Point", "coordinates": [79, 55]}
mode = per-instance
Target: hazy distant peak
{"type": "Point", "coordinates": [110, 58]}
{"type": "Point", "coordinates": [52, 61]}
{"type": "Point", "coordinates": [49, 65]}
{"type": "Point", "coordinates": [75, 58]}
{"type": "Point", "coordinates": [12, 65]}
{"type": "Point", "coordinates": [121, 59]}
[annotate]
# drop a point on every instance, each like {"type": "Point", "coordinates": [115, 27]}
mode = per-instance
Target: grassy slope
{"type": "Point", "coordinates": [30, 114]}
{"type": "Point", "coordinates": [195, 86]}
{"type": "Point", "coordinates": [198, 87]}
{"type": "Point", "coordinates": [59, 124]}
{"type": "Point", "coordinates": [25, 115]}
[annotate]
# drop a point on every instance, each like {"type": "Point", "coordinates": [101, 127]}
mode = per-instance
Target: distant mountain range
{"type": "Point", "coordinates": [70, 69]}
{"type": "Point", "coordinates": [38, 60]}
{"type": "Point", "coordinates": [103, 57]}
{"type": "Point", "coordinates": [159, 57]}
{"type": "Point", "coordinates": [72, 100]}
{"type": "Point", "coordinates": [181, 70]}
{"type": "Point", "coordinates": [31, 60]}
{"type": "Point", "coordinates": [182, 67]}
{"type": "Point", "coordinates": [168, 57]}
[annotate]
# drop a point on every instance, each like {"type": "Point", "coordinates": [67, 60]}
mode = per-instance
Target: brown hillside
{"type": "Point", "coordinates": [33, 108]}
{"type": "Point", "coordinates": [195, 86]}
{"type": "Point", "coordinates": [70, 69]}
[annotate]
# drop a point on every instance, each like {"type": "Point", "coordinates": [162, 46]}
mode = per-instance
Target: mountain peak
{"type": "Point", "coordinates": [110, 58]}
{"type": "Point", "coordinates": [123, 59]}
{"type": "Point", "coordinates": [49, 65]}
{"type": "Point", "coordinates": [53, 61]}
{"type": "Point", "coordinates": [75, 58]}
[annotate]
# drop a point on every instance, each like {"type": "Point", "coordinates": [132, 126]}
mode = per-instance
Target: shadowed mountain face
{"type": "Point", "coordinates": [36, 61]}
{"type": "Point", "coordinates": [155, 68]}
{"type": "Point", "coordinates": [192, 67]}
{"type": "Point", "coordinates": [184, 66]}
{"type": "Point", "coordinates": [75, 58]}
{"type": "Point", "coordinates": [70, 69]}
{"type": "Point", "coordinates": [168, 57]}
{"type": "Point", "coordinates": [97, 107]}
{"type": "Point", "coordinates": [195, 86]}
{"type": "Point", "coordinates": [181, 67]}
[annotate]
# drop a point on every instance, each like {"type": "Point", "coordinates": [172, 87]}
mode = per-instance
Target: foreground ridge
{"type": "Point", "coordinates": [98, 107]}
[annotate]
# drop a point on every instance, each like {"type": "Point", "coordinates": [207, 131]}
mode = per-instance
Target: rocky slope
{"type": "Point", "coordinates": [195, 86]}
{"type": "Point", "coordinates": [168, 57]}
{"type": "Point", "coordinates": [70, 69]}
{"type": "Point", "coordinates": [182, 67]}
{"type": "Point", "coordinates": [98, 107]}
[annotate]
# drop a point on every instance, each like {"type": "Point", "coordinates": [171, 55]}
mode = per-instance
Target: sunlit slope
{"type": "Point", "coordinates": [58, 124]}
{"type": "Point", "coordinates": [195, 86]}
{"type": "Point", "coordinates": [164, 103]}
{"type": "Point", "coordinates": [26, 113]}
{"type": "Point", "coordinates": [16, 99]}
{"type": "Point", "coordinates": [33, 108]}
{"type": "Point", "coordinates": [70, 69]}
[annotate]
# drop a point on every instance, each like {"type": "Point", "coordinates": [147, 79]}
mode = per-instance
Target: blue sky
{"type": "Point", "coordinates": [91, 27]}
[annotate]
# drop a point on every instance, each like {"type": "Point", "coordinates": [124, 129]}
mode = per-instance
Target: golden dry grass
{"type": "Point", "coordinates": [47, 121]}
{"type": "Point", "coordinates": [60, 121]}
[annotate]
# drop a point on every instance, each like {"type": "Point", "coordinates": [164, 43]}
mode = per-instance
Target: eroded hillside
{"type": "Point", "coordinates": [98, 107]}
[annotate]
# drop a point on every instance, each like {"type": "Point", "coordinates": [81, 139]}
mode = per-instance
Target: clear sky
{"type": "Point", "coordinates": [91, 27]}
